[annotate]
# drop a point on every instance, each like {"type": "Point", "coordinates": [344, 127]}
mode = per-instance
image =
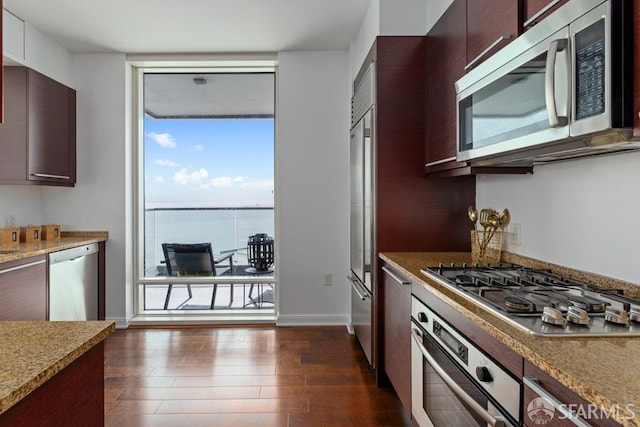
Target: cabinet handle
{"type": "Point", "coordinates": [363, 294]}
{"type": "Point", "coordinates": [532, 383]}
{"type": "Point", "coordinates": [395, 277]}
{"type": "Point", "coordinates": [438, 162]}
{"type": "Point", "coordinates": [46, 175]}
{"type": "Point", "coordinates": [486, 51]}
{"type": "Point", "coordinates": [20, 267]}
{"type": "Point", "coordinates": [541, 12]}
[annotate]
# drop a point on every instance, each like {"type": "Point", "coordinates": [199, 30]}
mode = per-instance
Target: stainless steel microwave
{"type": "Point", "coordinates": [563, 89]}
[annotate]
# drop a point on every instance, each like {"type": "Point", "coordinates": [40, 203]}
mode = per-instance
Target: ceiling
{"type": "Point", "coordinates": [194, 26]}
{"type": "Point", "coordinates": [209, 95]}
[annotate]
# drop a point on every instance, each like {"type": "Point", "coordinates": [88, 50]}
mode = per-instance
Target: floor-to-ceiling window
{"type": "Point", "coordinates": [205, 193]}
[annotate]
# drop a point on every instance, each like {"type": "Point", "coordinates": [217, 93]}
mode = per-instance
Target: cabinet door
{"type": "Point", "coordinates": [13, 132]}
{"type": "Point", "coordinates": [491, 25]}
{"type": "Point", "coordinates": [445, 47]}
{"type": "Point", "coordinates": [542, 393]}
{"type": "Point", "coordinates": [23, 289]}
{"type": "Point", "coordinates": [397, 334]}
{"type": "Point", "coordinates": [536, 10]}
{"type": "Point", "coordinates": [51, 139]}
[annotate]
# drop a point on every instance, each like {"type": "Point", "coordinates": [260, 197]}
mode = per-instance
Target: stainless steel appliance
{"type": "Point", "coordinates": [561, 90]}
{"type": "Point", "coordinates": [540, 302]}
{"type": "Point", "coordinates": [73, 283]}
{"type": "Point", "coordinates": [361, 212]}
{"type": "Point", "coordinates": [453, 381]}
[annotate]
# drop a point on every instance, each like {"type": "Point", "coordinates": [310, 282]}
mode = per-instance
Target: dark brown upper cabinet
{"type": "Point", "coordinates": [536, 10]}
{"type": "Point", "coordinates": [466, 30]}
{"type": "Point", "coordinates": [38, 136]}
{"type": "Point", "coordinates": [491, 25]}
{"type": "Point", "coordinates": [446, 56]}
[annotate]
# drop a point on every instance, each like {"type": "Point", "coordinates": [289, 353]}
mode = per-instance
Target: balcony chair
{"type": "Point", "coordinates": [193, 259]}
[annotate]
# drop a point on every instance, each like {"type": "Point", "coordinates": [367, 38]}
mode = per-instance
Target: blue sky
{"type": "Point", "coordinates": [208, 162]}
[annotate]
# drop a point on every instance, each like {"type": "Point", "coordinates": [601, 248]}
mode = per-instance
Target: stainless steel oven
{"type": "Point", "coordinates": [455, 383]}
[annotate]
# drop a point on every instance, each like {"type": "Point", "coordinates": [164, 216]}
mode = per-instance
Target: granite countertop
{"type": "Point", "coordinates": [31, 353]}
{"type": "Point", "coordinates": [68, 239]}
{"type": "Point", "coordinates": [603, 371]}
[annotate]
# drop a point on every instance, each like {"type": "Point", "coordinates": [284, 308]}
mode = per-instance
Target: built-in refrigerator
{"type": "Point", "coordinates": [362, 144]}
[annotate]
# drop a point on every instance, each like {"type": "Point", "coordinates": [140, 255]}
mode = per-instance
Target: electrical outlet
{"type": "Point", "coordinates": [328, 279]}
{"type": "Point", "coordinates": [9, 221]}
{"type": "Point", "coordinates": [516, 231]}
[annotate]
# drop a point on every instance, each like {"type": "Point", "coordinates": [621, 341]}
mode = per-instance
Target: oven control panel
{"type": "Point", "coordinates": [490, 376]}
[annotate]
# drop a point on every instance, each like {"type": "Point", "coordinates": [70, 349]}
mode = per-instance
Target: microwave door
{"type": "Point", "coordinates": [518, 105]}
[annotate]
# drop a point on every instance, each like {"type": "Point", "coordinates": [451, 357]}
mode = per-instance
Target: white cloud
{"type": "Point", "coordinates": [198, 147]}
{"type": "Point", "coordinates": [183, 177]}
{"type": "Point", "coordinates": [163, 162]}
{"type": "Point", "coordinates": [239, 179]}
{"type": "Point", "coordinates": [221, 181]}
{"type": "Point", "coordinates": [158, 179]}
{"type": "Point", "coordinates": [163, 139]}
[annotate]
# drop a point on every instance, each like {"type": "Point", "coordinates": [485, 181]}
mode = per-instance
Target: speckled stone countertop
{"type": "Point", "coordinates": [604, 371]}
{"type": "Point", "coordinates": [68, 239]}
{"type": "Point", "coordinates": [31, 353]}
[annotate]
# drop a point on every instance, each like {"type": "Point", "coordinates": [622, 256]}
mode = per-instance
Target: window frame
{"type": "Point", "coordinates": [141, 65]}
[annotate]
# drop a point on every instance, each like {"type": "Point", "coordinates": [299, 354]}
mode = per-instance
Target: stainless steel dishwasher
{"type": "Point", "coordinates": [73, 283]}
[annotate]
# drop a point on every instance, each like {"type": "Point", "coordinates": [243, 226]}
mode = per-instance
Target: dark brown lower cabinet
{"type": "Point", "coordinates": [539, 409]}
{"type": "Point", "coordinates": [397, 333]}
{"type": "Point", "coordinates": [73, 397]}
{"type": "Point", "coordinates": [23, 289]}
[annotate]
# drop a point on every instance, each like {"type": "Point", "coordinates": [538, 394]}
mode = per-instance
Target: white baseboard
{"type": "Point", "coordinates": [311, 320]}
{"type": "Point", "coordinates": [121, 322]}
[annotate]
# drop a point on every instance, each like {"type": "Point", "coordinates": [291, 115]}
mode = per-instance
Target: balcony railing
{"type": "Point", "coordinates": [228, 229]}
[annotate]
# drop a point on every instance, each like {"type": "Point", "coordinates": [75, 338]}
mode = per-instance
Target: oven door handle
{"type": "Point", "coordinates": [533, 384]}
{"type": "Point", "coordinates": [458, 391]}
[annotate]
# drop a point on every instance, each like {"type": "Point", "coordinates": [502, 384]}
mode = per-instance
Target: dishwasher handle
{"type": "Point", "coordinates": [72, 254]}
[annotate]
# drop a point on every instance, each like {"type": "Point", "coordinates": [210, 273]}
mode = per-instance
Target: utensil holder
{"type": "Point", "coordinates": [486, 247]}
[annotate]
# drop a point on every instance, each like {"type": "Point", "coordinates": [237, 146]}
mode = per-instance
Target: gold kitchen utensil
{"type": "Point", "coordinates": [486, 245]}
{"type": "Point", "coordinates": [473, 215]}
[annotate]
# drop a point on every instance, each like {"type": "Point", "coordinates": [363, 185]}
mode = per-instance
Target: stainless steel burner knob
{"type": "Point", "coordinates": [617, 316]}
{"type": "Point", "coordinates": [553, 316]}
{"type": "Point", "coordinates": [634, 314]}
{"type": "Point", "coordinates": [577, 316]}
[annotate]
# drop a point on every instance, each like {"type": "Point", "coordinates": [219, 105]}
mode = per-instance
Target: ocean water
{"type": "Point", "coordinates": [226, 229]}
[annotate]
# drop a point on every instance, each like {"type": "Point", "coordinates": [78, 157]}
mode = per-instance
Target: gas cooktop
{"type": "Point", "coordinates": [540, 302]}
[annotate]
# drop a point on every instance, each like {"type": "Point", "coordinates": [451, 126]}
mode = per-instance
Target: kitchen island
{"type": "Point", "coordinates": [602, 371]}
{"type": "Point", "coordinates": [52, 373]}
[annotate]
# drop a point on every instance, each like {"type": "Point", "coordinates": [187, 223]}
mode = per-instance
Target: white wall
{"type": "Point", "coordinates": [403, 17]}
{"type": "Point", "coordinates": [99, 199]}
{"type": "Point", "coordinates": [312, 200]}
{"type": "Point", "coordinates": [582, 214]}
{"type": "Point", "coordinates": [392, 18]}
{"type": "Point", "coordinates": [25, 202]}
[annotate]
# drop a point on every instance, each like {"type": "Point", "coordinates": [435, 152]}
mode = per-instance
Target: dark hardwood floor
{"type": "Point", "coordinates": [262, 376]}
